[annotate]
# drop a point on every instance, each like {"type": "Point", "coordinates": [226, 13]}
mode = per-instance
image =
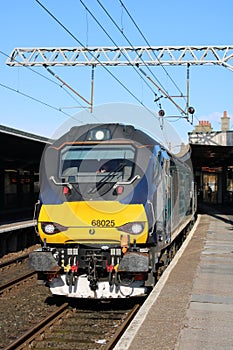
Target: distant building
{"type": "Point", "coordinates": [203, 126]}
{"type": "Point", "coordinates": [203, 133]}
{"type": "Point", "coordinates": [225, 122]}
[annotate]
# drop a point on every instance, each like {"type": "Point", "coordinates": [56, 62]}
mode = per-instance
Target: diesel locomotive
{"type": "Point", "coordinates": [112, 203]}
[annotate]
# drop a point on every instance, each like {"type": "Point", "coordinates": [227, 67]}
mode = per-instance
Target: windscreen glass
{"type": "Point", "coordinates": [82, 163]}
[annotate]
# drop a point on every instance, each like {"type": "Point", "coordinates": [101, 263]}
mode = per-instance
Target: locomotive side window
{"type": "Point", "coordinates": [85, 162]}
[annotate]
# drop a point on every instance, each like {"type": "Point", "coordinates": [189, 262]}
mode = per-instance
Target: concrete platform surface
{"type": "Point", "coordinates": [191, 308]}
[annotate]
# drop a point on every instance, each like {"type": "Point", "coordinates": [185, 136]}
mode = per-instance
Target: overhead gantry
{"type": "Point", "coordinates": [125, 56]}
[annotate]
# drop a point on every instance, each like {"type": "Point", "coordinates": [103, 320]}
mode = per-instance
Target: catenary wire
{"type": "Point", "coordinates": [80, 43]}
{"type": "Point", "coordinates": [73, 36]}
{"type": "Point", "coordinates": [43, 76]}
{"type": "Point", "coordinates": [159, 87]}
{"type": "Point", "coordinates": [33, 98]}
{"type": "Point", "coordinates": [105, 31]}
{"type": "Point", "coordinates": [37, 100]}
{"type": "Point", "coordinates": [42, 102]}
{"type": "Point", "coordinates": [100, 25]}
{"type": "Point", "coordinates": [87, 9]}
{"type": "Point", "coordinates": [143, 36]}
{"type": "Point", "coordinates": [113, 21]}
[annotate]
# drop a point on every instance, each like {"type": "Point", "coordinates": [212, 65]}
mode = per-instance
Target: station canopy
{"type": "Point", "coordinates": [211, 156]}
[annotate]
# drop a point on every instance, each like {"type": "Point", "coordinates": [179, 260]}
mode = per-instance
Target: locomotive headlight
{"type": "Point", "coordinates": [134, 228]}
{"type": "Point", "coordinates": [99, 135]}
{"type": "Point", "coordinates": [51, 228]}
{"type": "Point", "coordinates": [137, 228]}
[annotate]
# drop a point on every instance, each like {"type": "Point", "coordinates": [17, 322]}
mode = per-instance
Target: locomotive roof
{"type": "Point", "coordinates": [116, 131]}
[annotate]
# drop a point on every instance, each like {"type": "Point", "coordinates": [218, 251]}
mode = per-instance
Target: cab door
{"type": "Point", "coordinates": [163, 207]}
{"type": "Point", "coordinates": [167, 199]}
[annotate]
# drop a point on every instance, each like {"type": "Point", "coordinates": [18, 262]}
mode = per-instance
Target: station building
{"type": "Point", "coordinates": [19, 172]}
{"type": "Point", "coordinates": [212, 158]}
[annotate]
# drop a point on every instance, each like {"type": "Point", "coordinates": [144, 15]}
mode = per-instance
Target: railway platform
{"type": "Point", "coordinates": [191, 307]}
{"type": "Point", "coordinates": [15, 236]}
{"type": "Point", "coordinates": [8, 227]}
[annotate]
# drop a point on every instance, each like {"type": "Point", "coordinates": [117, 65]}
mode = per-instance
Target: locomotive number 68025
{"type": "Point", "coordinates": [103, 223]}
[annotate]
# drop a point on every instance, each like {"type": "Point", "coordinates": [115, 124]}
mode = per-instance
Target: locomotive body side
{"type": "Point", "coordinates": [111, 200]}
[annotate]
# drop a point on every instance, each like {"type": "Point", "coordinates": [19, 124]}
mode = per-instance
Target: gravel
{"type": "Point", "coordinates": [23, 306]}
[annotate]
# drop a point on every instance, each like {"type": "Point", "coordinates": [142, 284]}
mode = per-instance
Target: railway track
{"type": "Point", "coordinates": [14, 261]}
{"type": "Point", "coordinates": [76, 325]}
{"type": "Point", "coordinates": [14, 272]}
{"type": "Point", "coordinates": [74, 328]}
{"type": "Point", "coordinates": [15, 281]}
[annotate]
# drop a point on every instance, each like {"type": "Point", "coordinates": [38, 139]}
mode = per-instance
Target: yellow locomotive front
{"type": "Point", "coordinates": [93, 217]}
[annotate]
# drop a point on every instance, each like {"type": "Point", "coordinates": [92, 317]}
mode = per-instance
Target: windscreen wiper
{"type": "Point", "coordinates": [106, 177]}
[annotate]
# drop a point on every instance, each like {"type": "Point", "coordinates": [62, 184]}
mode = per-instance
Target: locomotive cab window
{"type": "Point", "coordinates": [83, 163]}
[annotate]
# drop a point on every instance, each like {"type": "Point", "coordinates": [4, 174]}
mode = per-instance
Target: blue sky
{"type": "Point", "coordinates": [26, 24]}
